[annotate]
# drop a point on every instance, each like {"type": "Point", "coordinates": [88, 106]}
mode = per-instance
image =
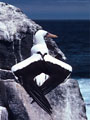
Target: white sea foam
{"type": "Point", "coordinates": [84, 84]}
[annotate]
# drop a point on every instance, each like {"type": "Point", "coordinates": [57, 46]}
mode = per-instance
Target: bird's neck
{"type": "Point", "coordinates": [39, 45]}
{"type": "Point", "coordinates": [39, 40]}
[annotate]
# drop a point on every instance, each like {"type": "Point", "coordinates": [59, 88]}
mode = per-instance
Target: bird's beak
{"type": "Point", "coordinates": [49, 35]}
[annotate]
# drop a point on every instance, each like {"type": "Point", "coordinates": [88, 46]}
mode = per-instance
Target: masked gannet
{"type": "Point", "coordinates": [41, 62]}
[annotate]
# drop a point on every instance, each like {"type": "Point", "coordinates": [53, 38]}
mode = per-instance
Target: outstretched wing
{"type": "Point", "coordinates": [58, 71]}
{"type": "Point", "coordinates": [28, 69]}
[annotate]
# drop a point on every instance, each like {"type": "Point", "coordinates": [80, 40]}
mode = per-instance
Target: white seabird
{"type": "Point", "coordinates": [41, 62]}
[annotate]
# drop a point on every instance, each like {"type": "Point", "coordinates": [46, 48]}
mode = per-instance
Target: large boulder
{"type": "Point", "coordinates": [16, 34]}
{"type": "Point", "coordinates": [16, 40]}
{"type": "Point", "coordinates": [66, 101]}
{"type": "Point", "coordinates": [16, 30]}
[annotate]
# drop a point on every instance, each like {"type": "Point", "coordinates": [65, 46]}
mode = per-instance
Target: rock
{"type": "Point", "coordinates": [66, 101]}
{"type": "Point", "coordinates": [6, 74]}
{"type": "Point", "coordinates": [3, 100]}
{"type": "Point", "coordinates": [16, 32]}
{"type": "Point", "coordinates": [54, 50]}
{"type": "Point", "coordinates": [3, 96]}
{"type": "Point", "coordinates": [18, 101]}
{"type": "Point", "coordinates": [16, 40]}
{"type": "Point", "coordinates": [3, 113]}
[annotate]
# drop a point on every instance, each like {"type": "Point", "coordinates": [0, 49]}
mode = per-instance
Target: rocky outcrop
{"type": "Point", "coordinates": [15, 31]}
{"type": "Point", "coordinates": [65, 100]}
{"type": "Point", "coordinates": [16, 39]}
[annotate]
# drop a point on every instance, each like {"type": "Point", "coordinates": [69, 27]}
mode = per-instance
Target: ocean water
{"type": "Point", "coordinates": [74, 41]}
{"type": "Point", "coordinates": [84, 84]}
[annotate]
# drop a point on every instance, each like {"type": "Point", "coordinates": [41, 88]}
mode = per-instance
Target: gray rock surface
{"type": "Point", "coordinates": [16, 33]}
{"type": "Point", "coordinates": [3, 113]}
{"type": "Point", "coordinates": [16, 39]}
{"type": "Point", "coordinates": [66, 101]}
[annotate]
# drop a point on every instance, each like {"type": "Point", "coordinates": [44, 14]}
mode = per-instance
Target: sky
{"type": "Point", "coordinates": [53, 9]}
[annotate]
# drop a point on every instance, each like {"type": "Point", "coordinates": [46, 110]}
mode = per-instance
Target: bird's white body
{"type": "Point", "coordinates": [38, 38]}
{"type": "Point", "coordinates": [39, 48]}
{"type": "Point", "coordinates": [41, 78]}
{"type": "Point", "coordinates": [39, 44]}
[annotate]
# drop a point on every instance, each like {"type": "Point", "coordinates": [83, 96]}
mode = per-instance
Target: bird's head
{"type": "Point", "coordinates": [40, 35]}
{"type": "Point", "coordinates": [44, 33]}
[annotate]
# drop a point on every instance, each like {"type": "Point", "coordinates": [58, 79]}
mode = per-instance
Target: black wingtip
{"type": "Point", "coordinates": [37, 95]}
{"type": "Point", "coordinates": [42, 102]}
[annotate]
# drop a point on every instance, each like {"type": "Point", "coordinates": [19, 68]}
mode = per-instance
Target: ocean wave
{"type": "Point", "coordinates": [84, 84]}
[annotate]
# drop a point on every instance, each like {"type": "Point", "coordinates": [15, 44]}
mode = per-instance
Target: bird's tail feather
{"type": "Point", "coordinates": [41, 102]}
{"type": "Point", "coordinates": [37, 95]}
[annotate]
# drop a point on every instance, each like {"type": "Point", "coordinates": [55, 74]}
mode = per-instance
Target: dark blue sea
{"type": "Point", "coordinates": [74, 41]}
